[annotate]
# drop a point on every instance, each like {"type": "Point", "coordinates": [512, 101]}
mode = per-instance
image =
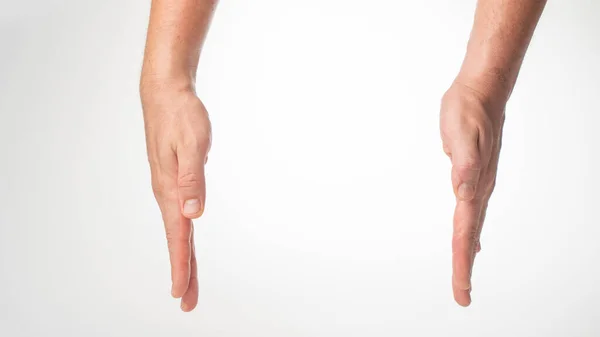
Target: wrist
{"type": "Point", "coordinates": [164, 71]}
{"type": "Point", "coordinates": [490, 70]}
{"type": "Point", "coordinates": [492, 85]}
{"type": "Point", "coordinates": [155, 85]}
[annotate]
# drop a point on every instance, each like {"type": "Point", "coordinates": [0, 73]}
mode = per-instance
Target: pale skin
{"type": "Point", "coordinates": [178, 131]}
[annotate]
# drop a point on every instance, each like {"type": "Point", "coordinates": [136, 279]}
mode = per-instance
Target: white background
{"type": "Point", "coordinates": [329, 199]}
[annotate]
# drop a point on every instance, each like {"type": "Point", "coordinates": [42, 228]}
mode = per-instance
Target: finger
{"type": "Point", "coordinates": [191, 182]}
{"type": "Point", "coordinates": [177, 228]}
{"type": "Point", "coordinates": [190, 298]}
{"type": "Point", "coordinates": [482, 215]}
{"type": "Point", "coordinates": [466, 219]}
{"type": "Point", "coordinates": [468, 225]}
{"type": "Point", "coordinates": [489, 183]}
{"type": "Point", "coordinates": [461, 296]}
{"type": "Point", "coordinates": [466, 172]}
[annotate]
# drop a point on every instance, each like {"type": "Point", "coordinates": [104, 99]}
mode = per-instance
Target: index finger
{"type": "Point", "coordinates": [466, 222]}
{"type": "Point", "coordinates": [177, 227]}
{"type": "Point", "coordinates": [178, 230]}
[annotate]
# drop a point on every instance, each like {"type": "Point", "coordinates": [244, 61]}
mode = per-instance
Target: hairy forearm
{"type": "Point", "coordinates": [499, 39]}
{"type": "Point", "coordinates": [176, 33]}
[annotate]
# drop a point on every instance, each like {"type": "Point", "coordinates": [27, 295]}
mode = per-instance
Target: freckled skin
{"type": "Point", "coordinates": [178, 131]}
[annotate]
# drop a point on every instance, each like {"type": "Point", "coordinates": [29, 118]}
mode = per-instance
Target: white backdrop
{"type": "Point", "coordinates": [329, 199]}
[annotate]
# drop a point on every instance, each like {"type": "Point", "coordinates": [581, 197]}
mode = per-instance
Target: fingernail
{"type": "Point", "coordinates": [466, 191]}
{"type": "Point", "coordinates": [191, 207]}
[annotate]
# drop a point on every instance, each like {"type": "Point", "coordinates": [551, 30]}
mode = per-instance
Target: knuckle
{"type": "Point", "coordinates": [170, 236]}
{"type": "Point", "coordinates": [189, 180]}
{"type": "Point", "coordinates": [469, 165]}
{"type": "Point", "coordinates": [171, 240]}
{"type": "Point", "coordinates": [468, 170]}
{"type": "Point", "coordinates": [196, 139]}
{"type": "Point", "coordinates": [467, 160]}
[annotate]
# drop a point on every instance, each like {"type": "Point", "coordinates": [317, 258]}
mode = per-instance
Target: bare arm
{"type": "Point", "coordinates": [500, 37]}
{"type": "Point", "coordinates": [472, 117]}
{"type": "Point", "coordinates": [178, 132]}
{"type": "Point", "coordinates": [175, 37]}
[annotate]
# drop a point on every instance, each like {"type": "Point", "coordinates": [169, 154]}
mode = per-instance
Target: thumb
{"type": "Point", "coordinates": [191, 182]}
{"type": "Point", "coordinates": [466, 166]}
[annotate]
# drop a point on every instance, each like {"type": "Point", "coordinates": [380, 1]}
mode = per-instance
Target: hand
{"type": "Point", "coordinates": [178, 138]}
{"type": "Point", "coordinates": [471, 124]}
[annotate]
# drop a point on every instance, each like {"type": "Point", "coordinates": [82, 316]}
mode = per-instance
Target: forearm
{"type": "Point", "coordinates": [499, 39]}
{"type": "Point", "coordinates": [176, 33]}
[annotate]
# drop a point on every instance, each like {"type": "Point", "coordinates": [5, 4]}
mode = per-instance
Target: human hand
{"type": "Point", "coordinates": [178, 138]}
{"type": "Point", "coordinates": [471, 122]}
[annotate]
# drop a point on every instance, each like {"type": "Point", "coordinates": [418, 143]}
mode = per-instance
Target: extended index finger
{"type": "Point", "coordinates": [178, 230]}
{"type": "Point", "coordinates": [177, 227]}
{"type": "Point", "coordinates": [466, 223]}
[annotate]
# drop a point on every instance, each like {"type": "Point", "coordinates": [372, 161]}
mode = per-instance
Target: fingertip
{"type": "Point", "coordinates": [178, 289]}
{"type": "Point", "coordinates": [462, 292]}
{"type": "Point", "coordinates": [465, 303]}
{"type": "Point", "coordinates": [462, 297]}
{"type": "Point", "coordinates": [176, 293]}
{"type": "Point", "coordinates": [189, 301]}
{"type": "Point", "coordinates": [185, 307]}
